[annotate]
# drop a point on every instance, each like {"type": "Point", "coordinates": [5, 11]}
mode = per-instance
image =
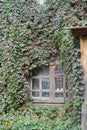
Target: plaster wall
{"type": "Point", "coordinates": [83, 47]}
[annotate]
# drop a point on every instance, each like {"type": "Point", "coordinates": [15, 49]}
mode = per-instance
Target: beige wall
{"type": "Point", "coordinates": [83, 46]}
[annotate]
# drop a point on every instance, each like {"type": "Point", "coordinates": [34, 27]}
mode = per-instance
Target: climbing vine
{"type": "Point", "coordinates": [30, 36]}
{"type": "Point", "coordinates": [71, 60]}
{"type": "Point", "coordinates": [27, 44]}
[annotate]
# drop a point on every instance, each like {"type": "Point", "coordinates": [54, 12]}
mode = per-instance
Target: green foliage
{"type": "Point", "coordinates": [49, 112]}
{"type": "Point", "coordinates": [28, 119]}
{"type": "Point", "coordinates": [25, 46]}
{"type": "Point", "coordinates": [31, 36]}
{"type": "Point", "coordinates": [71, 60]}
{"type": "Point", "coordinates": [36, 118]}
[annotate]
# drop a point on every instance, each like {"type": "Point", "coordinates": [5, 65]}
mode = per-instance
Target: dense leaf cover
{"type": "Point", "coordinates": [37, 118]}
{"type": "Point", "coordinates": [30, 36]}
{"type": "Point", "coordinates": [26, 37]}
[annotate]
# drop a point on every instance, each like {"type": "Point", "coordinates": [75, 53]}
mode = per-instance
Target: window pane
{"type": "Point", "coordinates": [35, 83]}
{"type": "Point", "coordinates": [35, 94]}
{"type": "Point", "coordinates": [45, 94]}
{"type": "Point", "coordinates": [59, 95]}
{"type": "Point", "coordinates": [67, 94]}
{"type": "Point", "coordinates": [58, 69]}
{"type": "Point", "coordinates": [59, 83]}
{"type": "Point", "coordinates": [43, 71]}
{"type": "Point", "coordinates": [45, 83]}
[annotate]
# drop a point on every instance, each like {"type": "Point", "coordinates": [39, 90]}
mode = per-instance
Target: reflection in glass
{"type": "Point", "coordinates": [35, 83]}
{"type": "Point", "coordinates": [59, 83]}
{"type": "Point", "coordinates": [45, 94]}
{"type": "Point", "coordinates": [43, 71]}
{"type": "Point", "coordinates": [58, 95]}
{"type": "Point", "coordinates": [35, 94]}
{"type": "Point", "coordinates": [45, 83]}
{"type": "Point", "coordinates": [58, 69]}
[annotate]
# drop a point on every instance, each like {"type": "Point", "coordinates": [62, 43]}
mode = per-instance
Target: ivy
{"type": "Point", "coordinates": [71, 60]}
{"type": "Point", "coordinates": [30, 36]}
{"type": "Point", "coordinates": [27, 44]}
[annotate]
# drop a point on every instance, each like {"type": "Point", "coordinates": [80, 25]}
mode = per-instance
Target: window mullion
{"type": "Point", "coordinates": [31, 88]}
{"type": "Point", "coordinates": [64, 87]}
{"type": "Point", "coordinates": [52, 83]}
{"type": "Point", "coordinates": [40, 85]}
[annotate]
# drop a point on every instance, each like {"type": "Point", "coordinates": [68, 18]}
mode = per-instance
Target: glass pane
{"type": "Point", "coordinates": [35, 84]}
{"type": "Point", "coordinates": [44, 71]}
{"type": "Point", "coordinates": [41, 71]}
{"type": "Point", "coordinates": [58, 69]}
{"type": "Point", "coordinates": [59, 95]}
{"type": "Point", "coordinates": [35, 94]}
{"type": "Point", "coordinates": [45, 83]}
{"type": "Point", "coordinates": [45, 94]}
{"type": "Point", "coordinates": [66, 94]}
{"type": "Point", "coordinates": [59, 83]}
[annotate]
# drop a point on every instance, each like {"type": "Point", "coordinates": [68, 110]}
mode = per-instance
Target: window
{"type": "Point", "coordinates": [48, 85]}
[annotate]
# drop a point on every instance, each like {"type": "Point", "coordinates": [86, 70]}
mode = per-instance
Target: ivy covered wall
{"type": "Point", "coordinates": [26, 44]}
{"type": "Point", "coordinates": [30, 36]}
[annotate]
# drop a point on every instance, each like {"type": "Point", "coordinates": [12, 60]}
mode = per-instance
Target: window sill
{"type": "Point", "coordinates": [47, 101]}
